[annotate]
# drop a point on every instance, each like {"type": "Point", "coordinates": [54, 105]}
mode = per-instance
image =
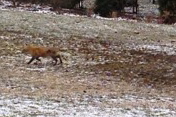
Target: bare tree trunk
{"type": "Point", "coordinates": [135, 6]}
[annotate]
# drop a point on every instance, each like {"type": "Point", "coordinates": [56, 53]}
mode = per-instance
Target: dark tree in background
{"type": "Point", "coordinates": [168, 10]}
{"type": "Point", "coordinates": [70, 4]}
{"type": "Point", "coordinates": [132, 3]}
{"type": "Point", "coordinates": [105, 7]}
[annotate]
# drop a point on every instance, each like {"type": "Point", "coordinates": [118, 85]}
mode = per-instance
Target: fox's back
{"type": "Point", "coordinates": [36, 51]}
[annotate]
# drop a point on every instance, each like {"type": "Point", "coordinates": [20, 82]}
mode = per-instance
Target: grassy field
{"type": "Point", "coordinates": [107, 58]}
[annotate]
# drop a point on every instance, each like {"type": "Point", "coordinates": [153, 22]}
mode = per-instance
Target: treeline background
{"type": "Point", "coordinates": [53, 3]}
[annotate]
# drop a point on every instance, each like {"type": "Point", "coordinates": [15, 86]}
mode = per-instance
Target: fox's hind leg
{"type": "Point", "coordinates": [55, 59]}
{"type": "Point", "coordinates": [58, 56]}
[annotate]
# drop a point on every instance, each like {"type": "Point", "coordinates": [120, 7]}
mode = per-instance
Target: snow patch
{"type": "Point", "coordinates": [25, 106]}
{"type": "Point", "coordinates": [168, 50]}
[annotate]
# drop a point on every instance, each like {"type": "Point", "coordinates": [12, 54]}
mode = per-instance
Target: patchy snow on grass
{"type": "Point", "coordinates": [4, 37]}
{"type": "Point", "coordinates": [68, 30]}
{"type": "Point", "coordinates": [115, 19]}
{"type": "Point", "coordinates": [33, 107]}
{"type": "Point", "coordinates": [37, 69]}
{"type": "Point", "coordinates": [4, 4]}
{"type": "Point", "coordinates": [157, 48]}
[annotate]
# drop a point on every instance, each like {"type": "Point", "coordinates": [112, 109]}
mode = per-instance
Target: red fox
{"type": "Point", "coordinates": [37, 51]}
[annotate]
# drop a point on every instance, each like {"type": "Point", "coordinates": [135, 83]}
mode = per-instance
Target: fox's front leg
{"type": "Point", "coordinates": [33, 58]}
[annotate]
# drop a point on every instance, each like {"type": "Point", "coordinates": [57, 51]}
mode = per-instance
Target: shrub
{"type": "Point", "coordinates": [70, 4]}
{"type": "Point", "coordinates": [168, 10]}
{"type": "Point", "coordinates": [105, 7]}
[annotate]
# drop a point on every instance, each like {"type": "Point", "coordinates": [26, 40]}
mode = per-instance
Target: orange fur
{"type": "Point", "coordinates": [36, 52]}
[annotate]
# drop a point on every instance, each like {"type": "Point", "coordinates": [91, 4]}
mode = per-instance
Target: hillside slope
{"type": "Point", "coordinates": [113, 67]}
